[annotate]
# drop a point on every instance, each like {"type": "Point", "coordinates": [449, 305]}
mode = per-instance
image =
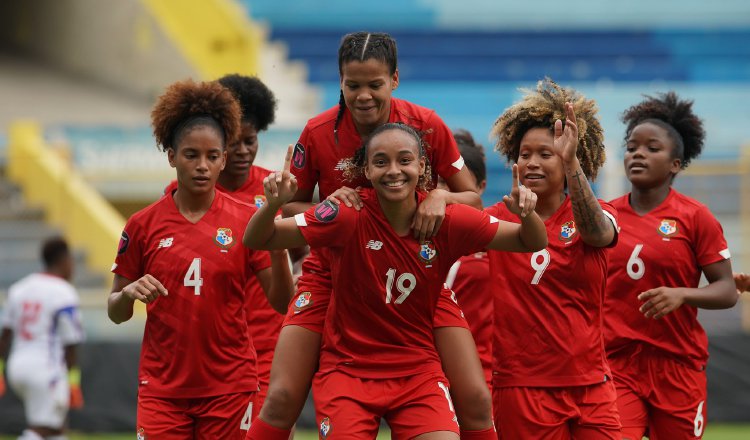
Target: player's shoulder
{"type": "Point", "coordinates": [235, 206]}
{"type": "Point", "coordinates": [500, 212]}
{"type": "Point", "coordinates": [679, 201]}
{"type": "Point", "coordinates": [413, 114]}
{"type": "Point", "coordinates": [322, 120]}
{"type": "Point", "coordinates": [155, 210]}
{"type": "Point", "coordinates": [620, 202]}
{"type": "Point", "coordinates": [259, 172]}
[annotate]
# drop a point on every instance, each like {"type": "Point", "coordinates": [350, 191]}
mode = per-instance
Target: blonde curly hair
{"type": "Point", "coordinates": [541, 108]}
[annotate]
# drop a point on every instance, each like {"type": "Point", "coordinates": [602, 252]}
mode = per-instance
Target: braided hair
{"type": "Point", "coordinates": [186, 105]}
{"type": "Point", "coordinates": [362, 46]}
{"type": "Point", "coordinates": [355, 166]}
{"type": "Point", "coordinates": [674, 115]}
{"type": "Point", "coordinates": [541, 108]}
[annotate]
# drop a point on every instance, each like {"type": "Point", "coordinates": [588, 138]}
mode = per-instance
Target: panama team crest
{"type": "Point", "coordinates": [667, 227]}
{"type": "Point", "coordinates": [303, 301]}
{"type": "Point", "coordinates": [325, 427]}
{"type": "Point", "coordinates": [141, 434]}
{"type": "Point", "coordinates": [259, 200]}
{"type": "Point", "coordinates": [224, 238]}
{"type": "Point", "coordinates": [427, 253]}
{"type": "Point", "coordinates": [568, 231]}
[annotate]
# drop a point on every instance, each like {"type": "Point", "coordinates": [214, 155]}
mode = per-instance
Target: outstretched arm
{"type": "Point", "coordinates": [595, 227]}
{"type": "Point", "coordinates": [262, 232]}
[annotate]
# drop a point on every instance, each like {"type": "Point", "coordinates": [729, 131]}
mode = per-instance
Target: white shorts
{"type": "Point", "coordinates": [44, 391]}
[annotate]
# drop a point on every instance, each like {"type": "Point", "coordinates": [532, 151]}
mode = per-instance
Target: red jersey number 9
{"type": "Point", "coordinates": [539, 266]}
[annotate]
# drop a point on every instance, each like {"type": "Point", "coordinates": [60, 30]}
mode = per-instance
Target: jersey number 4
{"type": "Point", "coordinates": [193, 276]}
{"type": "Point", "coordinates": [405, 283]}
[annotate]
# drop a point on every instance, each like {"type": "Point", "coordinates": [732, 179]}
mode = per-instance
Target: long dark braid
{"type": "Point", "coordinates": [362, 46]}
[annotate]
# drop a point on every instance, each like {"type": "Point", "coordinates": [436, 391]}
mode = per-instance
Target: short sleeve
{"type": "Point", "coordinates": [327, 224]}
{"type": "Point", "coordinates": [445, 158]}
{"type": "Point", "coordinates": [69, 325]}
{"type": "Point", "coordinates": [302, 167]}
{"type": "Point", "coordinates": [129, 259]}
{"type": "Point", "coordinates": [611, 213]}
{"type": "Point", "coordinates": [708, 240]}
{"type": "Point", "coordinates": [470, 230]}
{"type": "Point", "coordinates": [259, 260]}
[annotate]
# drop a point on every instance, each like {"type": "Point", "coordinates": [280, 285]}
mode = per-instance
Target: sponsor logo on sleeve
{"type": "Point", "coordinates": [298, 157]}
{"type": "Point", "coordinates": [326, 211]}
{"type": "Point", "coordinates": [124, 241]}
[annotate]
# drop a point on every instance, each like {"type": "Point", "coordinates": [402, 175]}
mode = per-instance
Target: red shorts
{"type": "Point", "coordinates": [559, 413]}
{"type": "Point", "coordinates": [351, 408]}
{"type": "Point", "coordinates": [659, 394]}
{"type": "Point", "coordinates": [309, 306]}
{"type": "Point", "coordinates": [226, 417]}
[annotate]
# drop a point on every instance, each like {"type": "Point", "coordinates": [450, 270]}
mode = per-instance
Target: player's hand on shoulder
{"type": "Point", "coordinates": [661, 301]}
{"type": "Point", "coordinates": [429, 216]}
{"type": "Point", "coordinates": [521, 200]}
{"type": "Point", "coordinates": [347, 196]}
{"type": "Point", "coordinates": [280, 186]}
{"type": "Point", "coordinates": [145, 289]}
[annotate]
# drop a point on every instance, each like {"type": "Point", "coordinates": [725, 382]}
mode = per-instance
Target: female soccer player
{"type": "Point", "coordinates": [656, 347]}
{"type": "Point", "coordinates": [378, 358]}
{"type": "Point", "coordinates": [551, 378]}
{"type": "Point", "coordinates": [470, 275]}
{"type": "Point", "coordinates": [182, 257]}
{"type": "Point", "coordinates": [369, 74]}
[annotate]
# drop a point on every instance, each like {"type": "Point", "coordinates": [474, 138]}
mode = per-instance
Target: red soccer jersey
{"type": "Point", "coordinates": [469, 278]}
{"type": "Point", "coordinates": [196, 342]}
{"type": "Point", "coordinates": [548, 307]}
{"type": "Point", "coordinates": [319, 159]}
{"type": "Point", "coordinates": [386, 287]}
{"type": "Point", "coordinates": [263, 321]}
{"type": "Point", "coordinates": [666, 247]}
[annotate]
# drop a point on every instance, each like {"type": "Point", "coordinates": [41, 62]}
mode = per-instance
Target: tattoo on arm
{"type": "Point", "coordinates": [587, 212]}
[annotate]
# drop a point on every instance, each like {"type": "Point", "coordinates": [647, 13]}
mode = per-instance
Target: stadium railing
{"type": "Point", "coordinates": [69, 202]}
{"type": "Point", "coordinates": [216, 36]}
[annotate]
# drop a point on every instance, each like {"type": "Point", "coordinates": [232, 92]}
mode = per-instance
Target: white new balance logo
{"type": "Point", "coordinates": [165, 242]}
{"type": "Point", "coordinates": [341, 165]}
{"type": "Point", "coordinates": [374, 245]}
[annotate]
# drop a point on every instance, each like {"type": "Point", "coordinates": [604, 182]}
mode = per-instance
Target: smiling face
{"type": "Point", "coordinates": [649, 157]}
{"type": "Point", "coordinates": [367, 88]}
{"type": "Point", "coordinates": [198, 157]}
{"type": "Point", "coordinates": [539, 168]}
{"type": "Point", "coordinates": [394, 165]}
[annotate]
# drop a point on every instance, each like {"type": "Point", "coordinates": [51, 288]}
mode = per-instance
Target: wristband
{"type": "Point", "coordinates": [74, 376]}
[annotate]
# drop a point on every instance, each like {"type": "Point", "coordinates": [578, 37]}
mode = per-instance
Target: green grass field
{"type": "Point", "coordinates": [713, 432]}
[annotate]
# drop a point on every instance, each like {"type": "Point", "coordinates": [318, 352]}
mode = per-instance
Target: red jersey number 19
{"type": "Point", "coordinates": [401, 285]}
{"type": "Point", "coordinates": [193, 276]}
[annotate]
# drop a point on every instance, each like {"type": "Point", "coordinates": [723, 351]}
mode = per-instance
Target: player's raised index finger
{"type": "Point", "coordinates": [569, 112]}
{"type": "Point", "coordinates": [288, 159]}
{"type": "Point", "coordinates": [516, 178]}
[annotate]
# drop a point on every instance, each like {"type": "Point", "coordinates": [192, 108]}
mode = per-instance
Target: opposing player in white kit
{"type": "Point", "coordinates": [42, 320]}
